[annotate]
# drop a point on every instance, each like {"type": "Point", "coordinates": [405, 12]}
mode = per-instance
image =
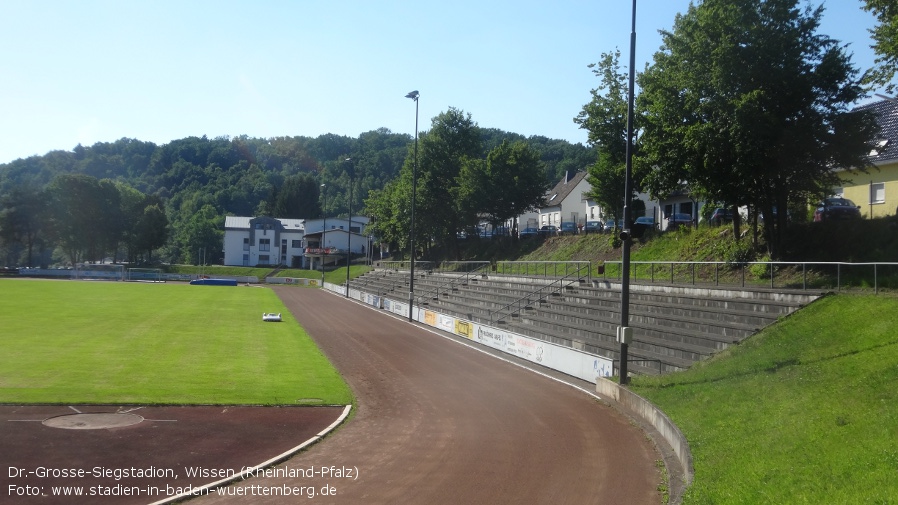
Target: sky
{"type": "Point", "coordinates": [87, 71]}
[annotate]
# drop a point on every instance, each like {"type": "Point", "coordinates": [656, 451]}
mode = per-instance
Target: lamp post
{"type": "Point", "coordinates": [624, 332]}
{"type": "Point", "coordinates": [411, 283]}
{"type": "Point", "coordinates": [323, 231]}
{"type": "Point", "coordinates": [349, 227]}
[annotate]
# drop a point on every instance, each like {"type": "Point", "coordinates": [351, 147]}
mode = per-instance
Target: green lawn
{"type": "Point", "coordinates": [117, 342]}
{"type": "Point", "coordinates": [804, 412]}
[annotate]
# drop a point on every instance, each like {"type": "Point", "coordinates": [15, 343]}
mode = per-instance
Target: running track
{"type": "Point", "coordinates": [437, 422]}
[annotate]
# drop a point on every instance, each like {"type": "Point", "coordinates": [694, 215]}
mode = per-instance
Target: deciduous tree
{"type": "Point", "coordinates": [749, 104]}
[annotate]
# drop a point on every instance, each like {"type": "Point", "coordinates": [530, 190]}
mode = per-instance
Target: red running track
{"type": "Point", "coordinates": [438, 422]}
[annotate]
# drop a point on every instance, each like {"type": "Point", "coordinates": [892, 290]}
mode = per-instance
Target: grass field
{"type": "Point", "coordinates": [115, 342]}
{"type": "Point", "coordinates": [804, 412]}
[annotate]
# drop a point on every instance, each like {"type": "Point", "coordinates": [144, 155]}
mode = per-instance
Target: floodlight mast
{"type": "Point", "coordinates": [349, 227]}
{"type": "Point", "coordinates": [411, 283]}
{"type": "Point", "coordinates": [323, 231]}
{"type": "Point", "coordinates": [624, 330]}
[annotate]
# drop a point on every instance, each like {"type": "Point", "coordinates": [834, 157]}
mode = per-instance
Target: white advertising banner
{"type": "Point", "coordinates": [570, 361]}
{"type": "Point", "coordinates": [564, 359]}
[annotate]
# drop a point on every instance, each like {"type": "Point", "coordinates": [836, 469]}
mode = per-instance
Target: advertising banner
{"type": "Point", "coordinates": [564, 359]}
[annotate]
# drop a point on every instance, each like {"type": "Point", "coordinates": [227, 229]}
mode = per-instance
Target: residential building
{"type": "Point", "coordinates": [876, 191]}
{"type": "Point", "coordinates": [566, 202]}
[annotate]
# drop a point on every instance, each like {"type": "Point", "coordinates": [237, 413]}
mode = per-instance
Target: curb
{"type": "Point", "coordinates": [201, 490]}
{"type": "Point", "coordinates": [655, 417]}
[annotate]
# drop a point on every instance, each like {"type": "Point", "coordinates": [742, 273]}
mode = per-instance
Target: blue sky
{"type": "Point", "coordinates": [96, 71]}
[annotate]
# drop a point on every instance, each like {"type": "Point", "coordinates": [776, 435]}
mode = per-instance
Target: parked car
{"type": "Point", "coordinates": [568, 229]}
{"type": "Point", "coordinates": [528, 232]}
{"type": "Point", "coordinates": [610, 225]}
{"type": "Point", "coordinates": [836, 208]}
{"type": "Point", "coordinates": [721, 216]}
{"type": "Point", "coordinates": [548, 230]}
{"type": "Point", "coordinates": [647, 221]}
{"type": "Point", "coordinates": [594, 227]}
{"type": "Point", "coordinates": [674, 221]}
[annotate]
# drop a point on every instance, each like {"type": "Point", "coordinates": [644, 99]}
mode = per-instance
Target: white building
{"type": "Point", "coordinates": [253, 241]}
{"type": "Point", "coordinates": [296, 243]}
{"type": "Point", "coordinates": [568, 201]}
{"type": "Point", "coordinates": [329, 239]}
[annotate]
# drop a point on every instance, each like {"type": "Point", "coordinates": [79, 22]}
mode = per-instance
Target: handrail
{"type": "Point", "coordinates": [444, 268]}
{"type": "Point", "coordinates": [495, 315]}
{"type": "Point", "coordinates": [813, 273]}
{"type": "Point", "coordinates": [532, 268]}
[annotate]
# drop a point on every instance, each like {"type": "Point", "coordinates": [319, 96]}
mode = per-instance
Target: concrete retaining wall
{"type": "Point", "coordinates": [654, 416]}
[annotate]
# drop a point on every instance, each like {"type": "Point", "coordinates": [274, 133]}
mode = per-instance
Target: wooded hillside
{"type": "Point", "coordinates": [200, 180]}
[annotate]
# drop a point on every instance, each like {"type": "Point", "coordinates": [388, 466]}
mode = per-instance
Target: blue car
{"type": "Point", "coordinates": [528, 232]}
{"type": "Point", "coordinates": [568, 229]}
{"type": "Point", "coordinates": [593, 227]}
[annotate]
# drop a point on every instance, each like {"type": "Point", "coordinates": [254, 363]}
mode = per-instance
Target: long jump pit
{"type": "Point", "coordinates": [147, 454]}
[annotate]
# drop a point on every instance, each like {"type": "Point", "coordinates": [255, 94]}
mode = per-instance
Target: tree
{"type": "Point", "coordinates": [749, 105]}
{"type": "Point", "coordinates": [605, 120]}
{"type": "Point", "coordinates": [452, 138]}
{"type": "Point", "coordinates": [151, 230]}
{"type": "Point", "coordinates": [85, 216]}
{"type": "Point", "coordinates": [885, 38]}
{"type": "Point", "coordinates": [508, 183]}
{"type": "Point", "coordinates": [22, 218]}
{"type": "Point", "coordinates": [201, 233]}
{"type": "Point", "coordinates": [297, 198]}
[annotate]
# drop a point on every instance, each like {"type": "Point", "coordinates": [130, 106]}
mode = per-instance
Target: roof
{"type": "Point", "coordinates": [887, 114]}
{"type": "Point", "coordinates": [237, 222]}
{"type": "Point", "coordinates": [564, 188]}
{"type": "Point", "coordinates": [242, 222]}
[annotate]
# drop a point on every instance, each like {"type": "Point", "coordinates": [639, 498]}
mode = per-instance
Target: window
{"type": "Point", "coordinates": [263, 259]}
{"type": "Point", "coordinates": [878, 192]}
{"type": "Point", "coordinates": [246, 244]}
{"type": "Point", "coordinates": [296, 244]}
{"type": "Point", "coordinates": [264, 244]}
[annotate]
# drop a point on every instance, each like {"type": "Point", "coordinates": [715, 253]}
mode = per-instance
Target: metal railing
{"type": "Point", "coordinates": [463, 270]}
{"type": "Point", "coordinates": [793, 275]}
{"type": "Point", "coordinates": [837, 276]}
{"type": "Point", "coordinates": [582, 269]}
{"type": "Point", "coordinates": [573, 275]}
{"type": "Point", "coordinates": [405, 265]}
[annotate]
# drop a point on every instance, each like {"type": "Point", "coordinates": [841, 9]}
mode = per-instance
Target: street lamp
{"type": "Point", "coordinates": [323, 231]}
{"type": "Point", "coordinates": [411, 283]}
{"type": "Point", "coordinates": [349, 227]}
{"type": "Point", "coordinates": [624, 332]}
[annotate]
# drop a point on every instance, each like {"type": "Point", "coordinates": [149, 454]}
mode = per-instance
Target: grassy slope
{"type": "Point", "coordinates": [82, 342]}
{"type": "Point", "coordinates": [804, 412]}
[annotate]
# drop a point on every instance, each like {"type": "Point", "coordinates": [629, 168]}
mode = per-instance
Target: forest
{"type": "Point", "coordinates": [137, 201]}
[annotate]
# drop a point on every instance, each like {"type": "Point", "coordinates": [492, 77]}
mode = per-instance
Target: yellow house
{"type": "Point", "coordinates": [877, 190]}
